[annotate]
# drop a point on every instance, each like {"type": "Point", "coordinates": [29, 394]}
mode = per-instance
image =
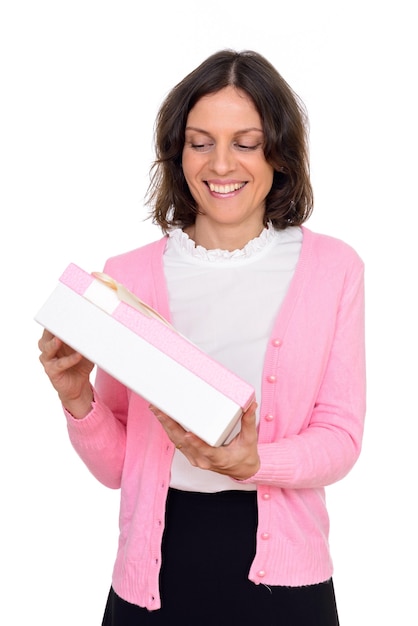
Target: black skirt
{"type": "Point", "coordinates": [208, 547]}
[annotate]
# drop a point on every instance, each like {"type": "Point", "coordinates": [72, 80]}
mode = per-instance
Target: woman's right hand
{"type": "Point", "coordinates": [69, 373]}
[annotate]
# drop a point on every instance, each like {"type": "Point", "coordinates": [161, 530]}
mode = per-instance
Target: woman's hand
{"type": "Point", "coordinates": [68, 372]}
{"type": "Point", "coordinates": [238, 459]}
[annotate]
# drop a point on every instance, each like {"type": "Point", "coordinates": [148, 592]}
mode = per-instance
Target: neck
{"type": "Point", "coordinates": [228, 238]}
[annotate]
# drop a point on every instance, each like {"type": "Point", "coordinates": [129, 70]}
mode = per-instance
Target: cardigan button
{"type": "Point", "coordinates": [269, 417]}
{"type": "Point", "coordinates": [265, 535]}
{"type": "Point", "coordinates": [272, 378]}
{"type": "Point", "coordinates": [266, 496]}
{"type": "Point", "coordinates": [276, 342]}
{"type": "Point", "coordinates": [261, 573]}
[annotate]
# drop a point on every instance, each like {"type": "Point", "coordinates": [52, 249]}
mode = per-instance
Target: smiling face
{"type": "Point", "coordinates": [225, 168]}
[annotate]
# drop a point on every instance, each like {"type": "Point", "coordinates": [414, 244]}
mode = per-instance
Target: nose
{"type": "Point", "coordinates": [222, 159]}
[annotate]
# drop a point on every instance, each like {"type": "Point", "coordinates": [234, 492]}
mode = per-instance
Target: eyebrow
{"type": "Point", "coordinates": [239, 132]}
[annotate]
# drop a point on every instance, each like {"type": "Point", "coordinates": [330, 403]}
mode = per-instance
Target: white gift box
{"type": "Point", "coordinates": [106, 323]}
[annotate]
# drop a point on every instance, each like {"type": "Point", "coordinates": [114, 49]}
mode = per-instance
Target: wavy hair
{"type": "Point", "coordinates": [285, 125]}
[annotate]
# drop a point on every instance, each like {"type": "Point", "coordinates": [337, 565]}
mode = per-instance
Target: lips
{"type": "Point", "coordinates": [229, 188]}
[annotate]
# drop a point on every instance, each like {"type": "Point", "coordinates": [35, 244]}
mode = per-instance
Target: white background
{"type": "Point", "coordinates": [80, 84]}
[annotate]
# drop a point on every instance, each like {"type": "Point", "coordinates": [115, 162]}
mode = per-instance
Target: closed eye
{"type": "Point", "coordinates": [241, 146]}
{"type": "Point", "coordinates": [201, 147]}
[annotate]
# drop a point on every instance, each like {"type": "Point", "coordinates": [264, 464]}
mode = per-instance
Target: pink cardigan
{"type": "Point", "coordinates": [311, 423]}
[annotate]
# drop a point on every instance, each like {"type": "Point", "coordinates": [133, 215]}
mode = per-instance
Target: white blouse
{"type": "Point", "coordinates": [226, 303]}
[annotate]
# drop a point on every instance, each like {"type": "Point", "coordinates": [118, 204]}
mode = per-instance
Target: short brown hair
{"type": "Point", "coordinates": [285, 126]}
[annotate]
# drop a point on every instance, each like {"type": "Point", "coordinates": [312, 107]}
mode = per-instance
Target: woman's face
{"type": "Point", "coordinates": [223, 161]}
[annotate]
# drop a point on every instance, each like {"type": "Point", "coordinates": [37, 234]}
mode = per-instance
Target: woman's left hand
{"type": "Point", "coordinates": [238, 459]}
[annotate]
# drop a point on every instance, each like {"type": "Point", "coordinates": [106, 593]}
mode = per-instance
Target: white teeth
{"type": "Point", "coordinates": [225, 188]}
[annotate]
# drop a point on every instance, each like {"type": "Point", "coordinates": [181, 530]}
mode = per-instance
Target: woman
{"type": "Point", "coordinates": [236, 534]}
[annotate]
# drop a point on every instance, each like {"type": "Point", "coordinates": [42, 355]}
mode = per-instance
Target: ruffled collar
{"type": "Point", "coordinates": [187, 247]}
